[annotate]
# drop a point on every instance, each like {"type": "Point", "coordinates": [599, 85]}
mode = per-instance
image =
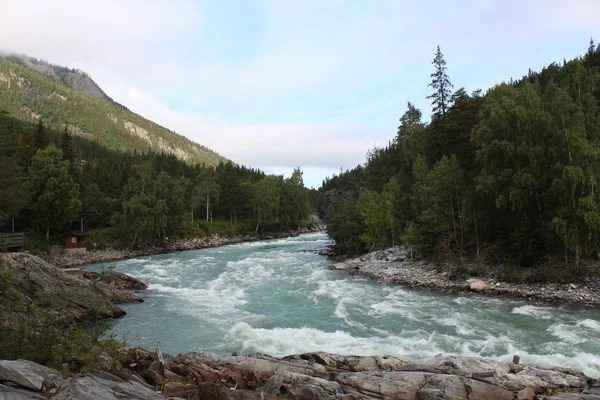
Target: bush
{"type": "Point", "coordinates": [511, 274]}
{"type": "Point", "coordinates": [100, 239]}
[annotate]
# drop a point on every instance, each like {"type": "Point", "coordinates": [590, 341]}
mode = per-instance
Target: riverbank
{"type": "Point", "coordinates": [135, 373]}
{"type": "Point", "coordinates": [60, 258]}
{"type": "Point", "coordinates": [394, 266]}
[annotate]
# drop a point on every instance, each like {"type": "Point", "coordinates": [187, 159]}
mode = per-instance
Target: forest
{"type": "Point", "coordinates": [52, 181]}
{"type": "Point", "coordinates": [27, 94]}
{"type": "Point", "coordinates": [509, 176]}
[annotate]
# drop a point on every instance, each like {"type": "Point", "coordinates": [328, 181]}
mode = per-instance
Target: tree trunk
{"type": "Point", "coordinates": [207, 206]}
{"type": "Point", "coordinates": [48, 233]}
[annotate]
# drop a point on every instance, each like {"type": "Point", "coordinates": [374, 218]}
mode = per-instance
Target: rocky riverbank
{"type": "Point", "coordinates": [59, 257]}
{"type": "Point", "coordinates": [134, 373]}
{"type": "Point", "coordinates": [394, 266]}
{"type": "Point", "coordinates": [36, 282]}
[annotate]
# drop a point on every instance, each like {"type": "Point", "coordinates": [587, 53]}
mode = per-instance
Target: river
{"type": "Point", "coordinates": [278, 297]}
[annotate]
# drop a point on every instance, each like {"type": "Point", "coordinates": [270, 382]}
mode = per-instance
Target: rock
{"type": "Point", "coordinates": [458, 387]}
{"type": "Point", "coordinates": [273, 385]}
{"type": "Point", "coordinates": [526, 394]}
{"type": "Point", "coordinates": [478, 286]}
{"type": "Point", "coordinates": [351, 363]}
{"type": "Point", "coordinates": [390, 385]}
{"type": "Point", "coordinates": [29, 374]}
{"type": "Point", "coordinates": [117, 280]}
{"type": "Point", "coordinates": [344, 266]}
{"type": "Point", "coordinates": [10, 393]}
{"type": "Point", "coordinates": [38, 282]}
{"type": "Point", "coordinates": [507, 375]}
{"type": "Point", "coordinates": [180, 389]}
{"type": "Point", "coordinates": [104, 386]}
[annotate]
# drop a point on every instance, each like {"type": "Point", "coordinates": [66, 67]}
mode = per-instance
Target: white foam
{"type": "Point", "coordinates": [533, 311]}
{"type": "Point", "coordinates": [589, 323]}
{"type": "Point", "coordinates": [566, 333]}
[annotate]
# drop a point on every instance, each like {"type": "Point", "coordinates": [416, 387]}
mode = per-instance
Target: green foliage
{"type": "Point", "coordinates": [345, 226]}
{"type": "Point", "coordinates": [55, 196]}
{"type": "Point", "coordinates": [266, 196]}
{"type": "Point", "coordinates": [515, 171]}
{"type": "Point", "coordinates": [29, 95]}
{"type": "Point", "coordinates": [440, 84]}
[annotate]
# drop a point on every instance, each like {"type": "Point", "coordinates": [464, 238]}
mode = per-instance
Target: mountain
{"type": "Point", "coordinates": [31, 89]}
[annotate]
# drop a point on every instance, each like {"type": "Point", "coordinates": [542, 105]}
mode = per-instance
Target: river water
{"type": "Point", "coordinates": [278, 297]}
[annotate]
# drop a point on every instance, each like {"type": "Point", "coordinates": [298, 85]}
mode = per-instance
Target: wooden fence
{"type": "Point", "coordinates": [12, 241]}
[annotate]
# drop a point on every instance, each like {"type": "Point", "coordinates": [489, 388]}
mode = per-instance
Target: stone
{"type": "Point", "coordinates": [478, 286]}
{"type": "Point", "coordinates": [180, 389]}
{"type": "Point", "coordinates": [38, 282]}
{"type": "Point", "coordinates": [28, 374]}
{"type": "Point", "coordinates": [106, 387]}
{"type": "Point", "coordinates": [10, 393]}
{"type": "Point", "coordinates": [526, 394]}
{"type": "Point", "coordinates": [273, 385]}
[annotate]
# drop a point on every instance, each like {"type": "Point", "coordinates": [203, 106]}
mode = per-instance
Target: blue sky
{"type": "Point", "coordinates": [278, 83]}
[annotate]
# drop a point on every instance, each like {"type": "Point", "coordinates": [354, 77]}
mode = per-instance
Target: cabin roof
{"type": "Point", "coordinates": [77, 234]}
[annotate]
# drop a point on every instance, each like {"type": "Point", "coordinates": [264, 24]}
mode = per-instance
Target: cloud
{"type": "Point", "coordinates": [292, 83]}
{"type": "Point", "coordinates": [285, 145]}
{"type": "Point", "coordinates": [115, 34]}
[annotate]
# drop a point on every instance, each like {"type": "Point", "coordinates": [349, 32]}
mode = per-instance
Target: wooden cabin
{"type": "Point", "coordinates": [12, 241]}
{"type": "Point", "coordinates": [75, 242]}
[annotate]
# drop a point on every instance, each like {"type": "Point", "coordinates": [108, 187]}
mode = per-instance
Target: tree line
{"type": "Point", "coordinates": [52, 181]}
{"type": "Point", "coordinates": [511, 173]}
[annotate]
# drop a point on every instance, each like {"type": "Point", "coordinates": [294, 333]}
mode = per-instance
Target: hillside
{"type": "Point", "coordinates": [31, 90]}
{"type": "Point", "coordinates": [507, 177]}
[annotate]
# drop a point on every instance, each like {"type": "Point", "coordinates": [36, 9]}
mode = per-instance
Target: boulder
{"type": "Point", "coordinates": [117, 280]}
{"type": "Point", "coordinates": [180, 389]}
{"type": "Point", "coordinates": [29, 375]}
{"type": "Point", "coordinates": [104, 386]}
{"type": "Point", "coordinates": [38, 282]}
{"type": "Point", "coordinates": [10, 393]}
{"type": "Point", "coordinates": [344, 266]}
{"type": "Point", "coordinates": [509, 376]}
{"type": "Point", "coordinates": [461, 388]}
{"type": "Point", "coordinates": [478, 286]}
{"type": "Point", "coordinates": [351, 363]}
{"type": "Point", "coordinates": [273, 385]}
{"type": "Point", "coordinates": [526, 394]}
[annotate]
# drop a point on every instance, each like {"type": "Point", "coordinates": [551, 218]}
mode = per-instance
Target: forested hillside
{"type": "Point", "coordinates": [50, 180]}
{"type": "Point", "coordinates": [33, 90]}
{"type": "Point", "coordinates": [509, 175]}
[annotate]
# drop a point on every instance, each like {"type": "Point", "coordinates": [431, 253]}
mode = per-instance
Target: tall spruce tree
{"type": "Point", "coordinates": [67, 149]}
{"type": "Point", "coordinates": [441, 85]}
{"type": "Point", "coordinates": [39, 136]}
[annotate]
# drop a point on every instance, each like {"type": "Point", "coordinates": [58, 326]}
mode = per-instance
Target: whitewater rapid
{"type": "Point", "coordinates": [278, 297]}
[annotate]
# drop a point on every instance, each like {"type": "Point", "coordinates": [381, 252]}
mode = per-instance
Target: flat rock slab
{"type": "Point", "coordinates": [106, 387]}
{"type": "Point", "coordinates": [28, 374]}
{"type": "Point", "coordinates": [9, 393]}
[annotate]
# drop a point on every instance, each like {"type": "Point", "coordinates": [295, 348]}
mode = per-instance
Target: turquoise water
{"type": "Point", "coordinates": [278, 297]}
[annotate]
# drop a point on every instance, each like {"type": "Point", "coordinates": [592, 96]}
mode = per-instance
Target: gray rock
{"type": "Point", "coordinates": [106, 387]}
{"type": "Point", "coordinates": [273, 385]}
{"type": "Point", "coordinates": [38, 282]}
{"type": "Point", "coordinates": [9, 393]}
{"type": "Point", "coordinates": [28, 374]}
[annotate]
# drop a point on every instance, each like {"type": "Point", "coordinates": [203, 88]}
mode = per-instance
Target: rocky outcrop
{"type": "Point", "coordinates": [116, 280]}
{"type": "Point", "coordinates": [207, 376]}
{"type": "Point", "coordinates": [37, 282]}
{"type": "Point", "coordinates": [395, 266]}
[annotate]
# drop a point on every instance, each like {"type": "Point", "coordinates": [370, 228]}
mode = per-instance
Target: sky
{"type": "Point", "coordinates": [278, 84]}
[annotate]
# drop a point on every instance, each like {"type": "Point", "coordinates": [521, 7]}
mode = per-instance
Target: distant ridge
{"type": "Point", "coordinates": [32, 89]}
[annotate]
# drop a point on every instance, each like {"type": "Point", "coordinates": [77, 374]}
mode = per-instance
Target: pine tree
{"type": "Point", "coordinates": [40, 139]}
{"type": "Point", "coordinates": [440, 84]}
{"type": "Point", "coordinates": [67, 149]}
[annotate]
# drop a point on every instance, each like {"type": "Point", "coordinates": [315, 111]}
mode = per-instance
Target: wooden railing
{"type": "Point", "coordinates": [12, 241]}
